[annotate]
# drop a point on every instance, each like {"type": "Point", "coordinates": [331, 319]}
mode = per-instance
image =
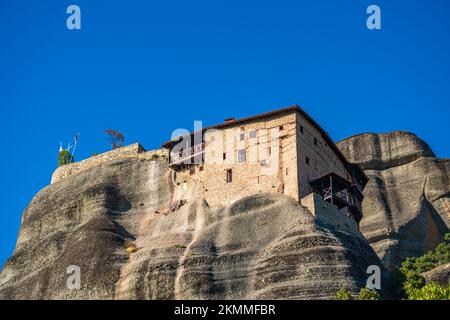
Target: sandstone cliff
{"type": "Point", "coordinates": [407, 200]}
{"type": "Point", "coordinates": [439, 274]}
{"type": "Point", "coordinates": [264, 246]}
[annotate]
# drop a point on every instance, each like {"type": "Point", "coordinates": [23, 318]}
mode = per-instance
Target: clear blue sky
{"type": "Point", "coordinates": [148, 67]}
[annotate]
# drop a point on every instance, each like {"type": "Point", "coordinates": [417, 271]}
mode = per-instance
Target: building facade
{"type": "Point", "coordinates": [283, 151]}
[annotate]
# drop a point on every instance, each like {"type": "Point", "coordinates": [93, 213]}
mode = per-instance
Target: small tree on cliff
{"type": "Point", "coordinates": [116, 138]}
{"type": "Point", "coordinates": [65, 156]}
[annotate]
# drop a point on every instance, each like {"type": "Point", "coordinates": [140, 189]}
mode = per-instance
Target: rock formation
{"type": "Point", "coordinates": [133, 237]}
{"type": "Point", "coordinates": [118, 222]}
{"type": "Point", "coordinates": [440, 274]}
{"type": "Point", "coordinates": [407, 200]}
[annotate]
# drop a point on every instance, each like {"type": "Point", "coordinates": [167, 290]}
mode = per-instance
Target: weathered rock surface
{"type": "Point", "coordinates": [407, 200]}
{"type": "Point", "coordinates": [439, 274]}
{"type": "Point", "coordinates": [265, 246]}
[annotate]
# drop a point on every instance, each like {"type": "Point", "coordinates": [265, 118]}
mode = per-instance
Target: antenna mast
{"type": "Point", "coordinates": [75, 142]}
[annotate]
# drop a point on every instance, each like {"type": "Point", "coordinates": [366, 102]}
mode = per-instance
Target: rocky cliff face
{"type": "Point", "coordinates": [407, 200]}
{"type": "Point", "coordinates": [440, 275]}
{"type": "Point", "coordinates": [119, 224]}
{"type": "Point", "coordinates": [132, 238]}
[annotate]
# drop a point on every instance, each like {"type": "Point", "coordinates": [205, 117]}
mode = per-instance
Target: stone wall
{"type": "Point", "coordinates": [132, 151]}
{"type": "Point", "coordinates": [277, 175]}
{"type": "Point", "coordinates": [329, 213]}
{"type": "Point", "coordinates": [289, 174]}
{"type": "Point", "coordinates": [322, 159]}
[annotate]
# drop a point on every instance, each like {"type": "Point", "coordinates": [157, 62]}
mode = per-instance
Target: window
{"type": "Point", "coordinates": [241, 156]}
{"type": "Point", "coordinates": [315, 141]}
{"type": "Point", "coordinates": [200, 168]}
{"type": "Point", "coordinates": [192, 171]}
{"type": "Point", "coordinates": [241, 136]}
{"type": "Point", "coordinates": [269, 150]}
{"type": "Point", "coordinates": [307, 160]}
{"type": "Point", "coordinates": [281, 128]}
{"type": "Point", "coordinates": [224, 156]}
{"type": "Point", "coordinates": [229, 175]}
{"type": "Point", "coordinates": [287, 171]}
{"type": "Point", "coordinates": [264, 162]}
{"type": "Point", "coordinates": [301, 129]}
{"type": "Point", "coordinates": [252, 134]}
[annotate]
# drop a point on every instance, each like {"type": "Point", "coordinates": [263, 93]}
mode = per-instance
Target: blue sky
{"type": "Point", "coordinates": [148, 67]}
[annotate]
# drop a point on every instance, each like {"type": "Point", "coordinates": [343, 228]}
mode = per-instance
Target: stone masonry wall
{"type": "Point", "coordinates": [329, 213]}
{"type": "Point", "coordinates": [132, 151]}
{"type": "Point", "coordinates": [299, 140]}
{"type": "Point", "coordinates": [322, 159]}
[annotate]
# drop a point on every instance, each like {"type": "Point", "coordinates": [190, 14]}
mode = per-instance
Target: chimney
{"type": "Point", "coordinates": [229, 120]}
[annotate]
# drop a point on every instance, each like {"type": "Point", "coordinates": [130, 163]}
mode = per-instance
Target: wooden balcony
{"type": "Point", "coordinates": [339, 198]}
{"type": "Point", "coordinates": [340, 192]}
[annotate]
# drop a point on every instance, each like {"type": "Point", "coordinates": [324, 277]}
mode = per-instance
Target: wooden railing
{"type": "Point", "coordinates": [188, 154]}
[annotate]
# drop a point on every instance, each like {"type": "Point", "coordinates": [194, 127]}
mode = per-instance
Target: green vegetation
{"type": "Point", "coordinates": [154, 157]}
{"type": "Point", "coordinates": [364, 294]}
{"type": "Point", "coordinates": [179, 246]}
{"type": "Point", "coordinates": [368, 294]}
{"type": "Point", "coordinates": [65, 157]}
{"type": "Point", "coordinates": [431, 291]}
{"type": "Point", "coordinates": [343, 294]}
{"type": "Point", "coordinates": [407, 281]}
